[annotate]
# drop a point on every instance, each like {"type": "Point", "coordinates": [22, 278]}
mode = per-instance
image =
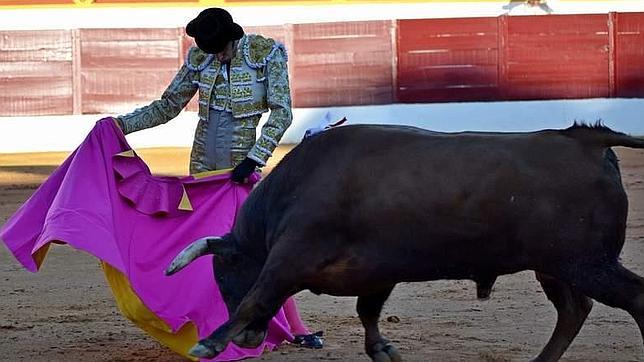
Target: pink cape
{"type": "Point", "coordinates": [104, 200]}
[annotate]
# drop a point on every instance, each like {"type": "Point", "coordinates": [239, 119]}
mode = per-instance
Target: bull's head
{"type": "Point", "coordinates": [235, 270]}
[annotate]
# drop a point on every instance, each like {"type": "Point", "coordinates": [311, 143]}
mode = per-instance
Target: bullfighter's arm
{"type": "Point", "coordinates": [174, 99]}
{"type": "Point", "coordinates": [278, 95]}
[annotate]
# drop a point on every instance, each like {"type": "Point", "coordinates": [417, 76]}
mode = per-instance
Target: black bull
{"type": "Point", "coordinates": [357, 209]}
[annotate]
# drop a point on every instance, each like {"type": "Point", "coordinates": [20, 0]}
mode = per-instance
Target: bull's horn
{"type": "Point", "coordinates": [190, 253]}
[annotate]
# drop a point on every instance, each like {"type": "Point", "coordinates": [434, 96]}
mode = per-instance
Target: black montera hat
{"type": "Point", "coordinates": [212, 29]}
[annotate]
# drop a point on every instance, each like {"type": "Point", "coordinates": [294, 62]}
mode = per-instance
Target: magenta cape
{"type": "Point", "coordinates": [104, 200]}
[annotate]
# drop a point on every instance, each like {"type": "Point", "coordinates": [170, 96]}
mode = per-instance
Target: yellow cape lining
{"type": "Point", "coordinates": [131, 307]}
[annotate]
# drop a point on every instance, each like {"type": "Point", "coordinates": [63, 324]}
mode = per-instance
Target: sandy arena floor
{"type": "Point", "coordinates": [66, 311]}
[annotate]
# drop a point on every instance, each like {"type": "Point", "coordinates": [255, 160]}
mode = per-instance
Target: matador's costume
{"type": "Point", "coordinates": [232, 98]}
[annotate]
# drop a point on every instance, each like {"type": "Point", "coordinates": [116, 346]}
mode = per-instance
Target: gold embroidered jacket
{"type": "Point", "coordinates": [258, 82]}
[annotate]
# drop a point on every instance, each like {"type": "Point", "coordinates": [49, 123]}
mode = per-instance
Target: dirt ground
{"type": "Point", "coordinates": [66, 312]}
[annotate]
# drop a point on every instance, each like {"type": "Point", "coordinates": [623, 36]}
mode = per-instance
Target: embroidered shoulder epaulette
{"type": "Point", "coordinates": [197, 59]}
{"type": "Point", "coordinates": [258, 50]}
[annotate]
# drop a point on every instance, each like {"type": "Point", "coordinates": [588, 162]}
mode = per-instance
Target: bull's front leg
{"type": "Point", "coordinates": [215, 343]}
{"type": "Point", "coordinates": [377, 347]}
{"type": "Point", "coordinates": [248, 325]}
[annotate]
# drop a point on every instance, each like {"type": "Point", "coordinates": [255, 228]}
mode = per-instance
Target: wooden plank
{"type": "Point", "coordinates": [411, 95]}
{"type": "Point", "coordinates": [40, 86]}
{"type": "Point", "coordinates": [143, 34]}
{"type": "Point", "coordinates": [393, 25]}
{"type": "Point", "coordinates": [77, 92]}
{"type": "Point", "coordinates": [557, 25]}
{"type": "Point", "coordinates": [35, 72]}
{"type": "Point", "coordinates": [125, 66]}
{"type": "Point", "coordinates": [42, 94]}
{"type": "Point", "coordinates": [340, 63]}
{"type": "Point", "coordinates": [557, 56]}
{"type": "Point", "coordinates": [34, 106]}
{"type": "Point", "coordinates": [128, 53]}
{"type": "Point", "coordinates": [538, 70]}
{"type": "Point", "coordinates": [456, 42]}
{"type": "Point", "coordinates": [419, 29]}
{"type": "Point", "coordinates": [341, 45]}
{"type": "Point", "coordinates": [447, 59]}
{"type": "Point", "coordinates": [461, 77]}
{"type": "Point", "coordinates": [127, 82]}
{"type": "Point", "coordinates": [35, 69]}
{"type": "Point", "coordinates": [277, 32]}
{"type": "Point", "coordinates": [113, 103]}
{"type": "Point", "coordinates": [341, 82]}
{"type": "Point", "coordinates": [36, 45]}
{"type": "Point", "coordinates": [314, 97]}
{"type": "Point", "coordinates": [502, 60]}
{"type": "Point", "coordinates": [362, 58]}
{"type": "Point", "coordinates": [629, 55]}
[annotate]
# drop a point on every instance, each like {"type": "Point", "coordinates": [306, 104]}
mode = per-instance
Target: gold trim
{"type": "Point", "coordinates": [116, 122]}
{"type": "Point", "coordinates": [204, 174]}
{"type": "Point", "coordinates": [39, 256]}
{"type": "Point", "coordinates": [128, 153]}
{"type": "Point", "coordinates": [185, 203]}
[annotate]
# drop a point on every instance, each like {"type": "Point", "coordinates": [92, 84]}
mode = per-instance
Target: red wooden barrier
{"type": "Point", "coordinates": [35, 72]}
{"type": "Point", "coordinates": [555, 57]}
{"type": "Point", "coordinates": [447, 60]}
{"type": "Point", "coordinates": [341, 63]}
{"type": "Point", "coordinates": [629, 54]}
{"type": "Point", "coordinates": [122, 69]}
{"type": "Point", "coordinates": [330, 64]}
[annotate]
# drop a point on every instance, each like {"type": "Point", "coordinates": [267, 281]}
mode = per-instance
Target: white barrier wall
{"type": "Point", "coordinates": [64, 133]}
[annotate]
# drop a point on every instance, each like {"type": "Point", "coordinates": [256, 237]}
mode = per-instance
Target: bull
{"type": "Point", "coordinates": [357, 209]}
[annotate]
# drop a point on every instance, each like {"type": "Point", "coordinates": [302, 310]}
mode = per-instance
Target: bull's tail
{"type": "Point", "coordinates": [200, 247]}
{"type": "Point", "coordinates": [601, 135]}
{"type": "Point", "coordinates": [621, 139]}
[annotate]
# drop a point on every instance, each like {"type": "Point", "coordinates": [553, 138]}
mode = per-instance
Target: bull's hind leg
{"type": "Point", "coordinates": [377, 347]}
{"type": "Point", "coordinates": [616, 287]}
{"type": "Point", "coordinates": [572, 310]}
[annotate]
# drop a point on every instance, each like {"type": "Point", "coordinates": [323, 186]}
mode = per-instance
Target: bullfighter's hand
{"type": "Point", "coordinates": [242, 171]}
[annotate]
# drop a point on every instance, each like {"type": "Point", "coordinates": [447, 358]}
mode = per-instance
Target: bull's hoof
{"type": "Point", "coordinates": [484, 287]}
{"type": "Point", "coordinates": [313, 340]}
{"type": "Point", "coordinates": [249, 338]}
{"type": "Point", "coordinates": [483, 293]}
{"type": "Point", "coordinates": [537, 359]}
{"type": "Point", "coordinates": [200, 350]}
{"type": "Point", "coordinates": [386, 353]}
